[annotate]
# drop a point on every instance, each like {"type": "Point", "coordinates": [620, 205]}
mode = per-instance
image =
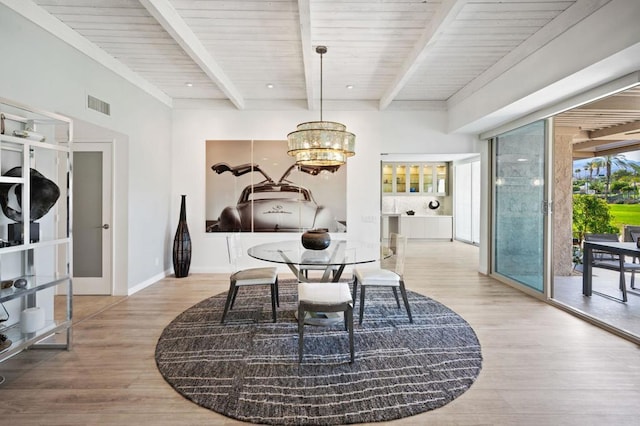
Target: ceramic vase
{"type": "Point", "coordinates": [316, 239]}
{"type": "Point", "coordinates": [182, 244]}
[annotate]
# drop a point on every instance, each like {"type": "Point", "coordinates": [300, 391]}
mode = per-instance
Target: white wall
{"type": "Point", "coordinates": [41, 71]}
{"type": "Point", "coordinates": [376, 132]}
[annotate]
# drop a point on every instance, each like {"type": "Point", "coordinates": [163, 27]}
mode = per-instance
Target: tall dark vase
{"type": "Point", "coordinates": [182, 244]}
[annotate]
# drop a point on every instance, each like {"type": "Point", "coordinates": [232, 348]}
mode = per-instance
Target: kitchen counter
{"type": "Point", "coordinates": [438, 227]}
{"type": "Point", "coordinates": [419, 226]}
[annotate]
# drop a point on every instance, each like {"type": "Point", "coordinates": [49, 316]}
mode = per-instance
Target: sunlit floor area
{"type": "Point", "coordinates": [605, 303]}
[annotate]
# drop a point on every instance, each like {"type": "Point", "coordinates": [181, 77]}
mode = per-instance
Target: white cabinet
{"type": "Point", "coordinates": [427, 227]}
{"type": "Point", "coordinates": [35, 260]}
{"type": "Point", "coordinates": [439, 227]}
{"type": "Point", "coordinates": [415, 178]}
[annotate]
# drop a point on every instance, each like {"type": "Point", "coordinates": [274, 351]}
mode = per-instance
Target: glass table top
{"type": "Point", "coordinates": [339, 252]}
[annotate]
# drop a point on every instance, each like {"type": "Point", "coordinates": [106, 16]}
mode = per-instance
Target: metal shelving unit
{"type": "Point", "coordinates": [35, 242]}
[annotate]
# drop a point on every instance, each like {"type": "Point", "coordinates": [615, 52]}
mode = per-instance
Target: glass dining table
{"type": "Point", "coordinates": [334, 258]}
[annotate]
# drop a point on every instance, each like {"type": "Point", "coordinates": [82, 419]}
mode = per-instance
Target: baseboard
{"type": "Point", "coordinates": [147, 283]}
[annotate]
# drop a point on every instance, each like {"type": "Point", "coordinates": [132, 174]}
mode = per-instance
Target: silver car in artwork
{"type": "Point", "coordinates": [270, 206]}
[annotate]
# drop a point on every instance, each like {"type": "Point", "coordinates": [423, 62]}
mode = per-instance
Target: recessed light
{"type": "Point", "coordinates": [349, 86]}
{"type": "Point", "coordinates": [269, 86]}
{"type": "Point", "coordinates": [188, 84]}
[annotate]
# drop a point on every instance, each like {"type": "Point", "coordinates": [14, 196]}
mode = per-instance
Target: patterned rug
{"type": "Point", "coordinates": [248, 369]}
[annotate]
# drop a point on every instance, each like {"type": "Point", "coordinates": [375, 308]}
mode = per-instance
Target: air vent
{"type": "Point", "coordinates": [98, 105]}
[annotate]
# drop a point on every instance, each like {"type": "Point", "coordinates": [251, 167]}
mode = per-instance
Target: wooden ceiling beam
{"type": "Point", "coordinates": [580, 146]}
{"type": "Point", "coordinates": [173, 24]}
{"type": "Point", "coordinates": [304, 14]}
{"type": "Point", "coordinates": [614, 130]}
{"type": "Point", "coordinates": [614, 103]}
{"type": "Point", "coordinates": [445, 15]}
{"type": "Point", "coordinates": [619, 150]}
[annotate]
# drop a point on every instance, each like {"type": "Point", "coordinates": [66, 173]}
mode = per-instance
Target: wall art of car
{"type": "Point", "coordinates": [270, 206]}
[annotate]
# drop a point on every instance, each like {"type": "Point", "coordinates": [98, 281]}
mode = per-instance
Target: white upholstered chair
{"type": "Point", "coordinates": [324, 297]}
{"type": "Point", "coordinates": [248, 277]}
{"type": "Point", "coordinates": [367, 276]}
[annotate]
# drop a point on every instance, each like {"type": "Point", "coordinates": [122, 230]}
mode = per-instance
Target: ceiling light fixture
{"type": "Point", "coordinates": [321, 143]}
{"type": "Point", "coordinates": [189, 84]}
{"type": "Point", "coordinates": [269, 86]}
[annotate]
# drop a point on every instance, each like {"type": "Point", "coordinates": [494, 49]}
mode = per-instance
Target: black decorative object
{"type": "Point", "coordinates": [434, 204]}
{"type": "Point", "coordinates": [410, 212]}
{"type": "Point", "coordinates": [182, 244]}
{"type": "Point", "coordinates": [316, 239]}
{"type": "Point", "coordinates": [44, 195]}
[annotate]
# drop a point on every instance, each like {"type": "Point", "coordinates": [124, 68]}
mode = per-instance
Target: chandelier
{"type": "Point", "coordinates": [321, 143]}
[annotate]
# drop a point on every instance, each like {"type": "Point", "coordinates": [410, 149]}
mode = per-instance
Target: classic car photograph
{"type": "Point", "coordinates": [247, 198]}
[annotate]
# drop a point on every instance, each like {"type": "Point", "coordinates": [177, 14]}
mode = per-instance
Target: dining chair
{"type": "Point", "coordinates": [248, 277]}
{"type": "Point", "coordinates": [324, 297]}
{"type": "Point", "coordinates": [383, 277]}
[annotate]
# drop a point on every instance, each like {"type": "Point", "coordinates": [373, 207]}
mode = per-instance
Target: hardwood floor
{"type": "Point", "coordinates": [541, 365]}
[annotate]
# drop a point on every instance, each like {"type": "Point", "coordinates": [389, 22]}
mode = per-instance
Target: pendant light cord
{"type": "Point", "coordinates": [321, 54]}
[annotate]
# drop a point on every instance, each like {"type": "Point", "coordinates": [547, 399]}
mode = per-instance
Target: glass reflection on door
{"type": "Point", "coordinates": [518, 229]}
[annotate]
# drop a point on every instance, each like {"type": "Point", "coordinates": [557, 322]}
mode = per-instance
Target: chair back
{"type": "Point", "coordinates": [234, 250]}
{"type": "Point", "coordinates": [602, 237]}
{"type": "Point", "coordinates": [400, 247]}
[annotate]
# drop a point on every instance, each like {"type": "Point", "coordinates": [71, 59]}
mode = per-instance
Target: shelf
{"type": "Point", "coordinates": [30, 246]}
{"type": "Point", "coordinates": [9, 179]}
{"type": "Point", "coordinates": [51, 255]}
{"type": "Point", "coordinates": [20, 341]}
{"type": "Point", "coordinates": [35, 283]}
{"type": "Point", "coordinates": [34, 143]}
{"type": "Point", "coordinates": [414, 179]}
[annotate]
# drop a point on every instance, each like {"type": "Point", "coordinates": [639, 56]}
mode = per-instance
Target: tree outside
{"type": "Point", "coordinates": [591, 215]}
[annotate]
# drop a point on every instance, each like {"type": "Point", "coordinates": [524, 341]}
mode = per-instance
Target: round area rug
{"type": "Point", "coordinates": [248, 368]}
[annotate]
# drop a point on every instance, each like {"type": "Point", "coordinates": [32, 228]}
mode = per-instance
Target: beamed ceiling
{"type": "Point", "coordinates": [608, 126]}
{"type": "Point", "coordinates": [256, 54]}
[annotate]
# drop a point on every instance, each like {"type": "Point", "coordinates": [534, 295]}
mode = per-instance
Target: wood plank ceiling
{"type": "Point", "coordinates": [256, 53]}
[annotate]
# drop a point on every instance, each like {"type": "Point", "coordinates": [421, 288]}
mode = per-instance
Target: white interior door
{"type": "Point", "coordinates": [92, 230]}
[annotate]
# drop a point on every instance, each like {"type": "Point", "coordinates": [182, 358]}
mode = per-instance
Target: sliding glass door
{"type": "Point", "coordinates": [519, 206]}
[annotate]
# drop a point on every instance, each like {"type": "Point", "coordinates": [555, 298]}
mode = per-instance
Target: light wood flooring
{"type": "Point", "coordinates": [541, 366]}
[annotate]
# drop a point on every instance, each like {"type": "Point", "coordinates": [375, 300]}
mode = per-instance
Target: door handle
{"type": "Point", "coordinates": [105, 226]}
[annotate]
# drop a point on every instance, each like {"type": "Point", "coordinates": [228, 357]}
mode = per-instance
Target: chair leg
{"type": "Point", "coordinates": [633, 280]}
{"type": "Point", "coordinates": [300, 332]}
{"type": "Point", "coordinates": [362, 287]}
{"type": "Point", "coordinates": [233, 297]}
{"type": "Point", "coordinates": [355, 289]}
{"type": "Point", "coordinates": [273, 300]}
{"type": "Point", "coordinates": [403, 290]}
{"type": "Point", "coordinates": [349, 315]}
{"type": "Point", "coordinates": [277, 293]}
{"type": "Point", "coordinates": [395, 294]}
{"type": "Point", "coordinates": [227, 305]}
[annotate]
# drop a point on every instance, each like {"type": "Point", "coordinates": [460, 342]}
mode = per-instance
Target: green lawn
{"type": "Point", "coordinates": [625, 214]}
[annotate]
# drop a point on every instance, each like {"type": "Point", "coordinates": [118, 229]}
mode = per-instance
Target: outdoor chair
{"type": "Point", "coordinates": [612, 262]}
{"type": "Point", "coordinates": [324, 297]}
{"type": "Point", "coordinates": [248, 277]}
{"type": "Point", "coordinates": [382, 277]}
